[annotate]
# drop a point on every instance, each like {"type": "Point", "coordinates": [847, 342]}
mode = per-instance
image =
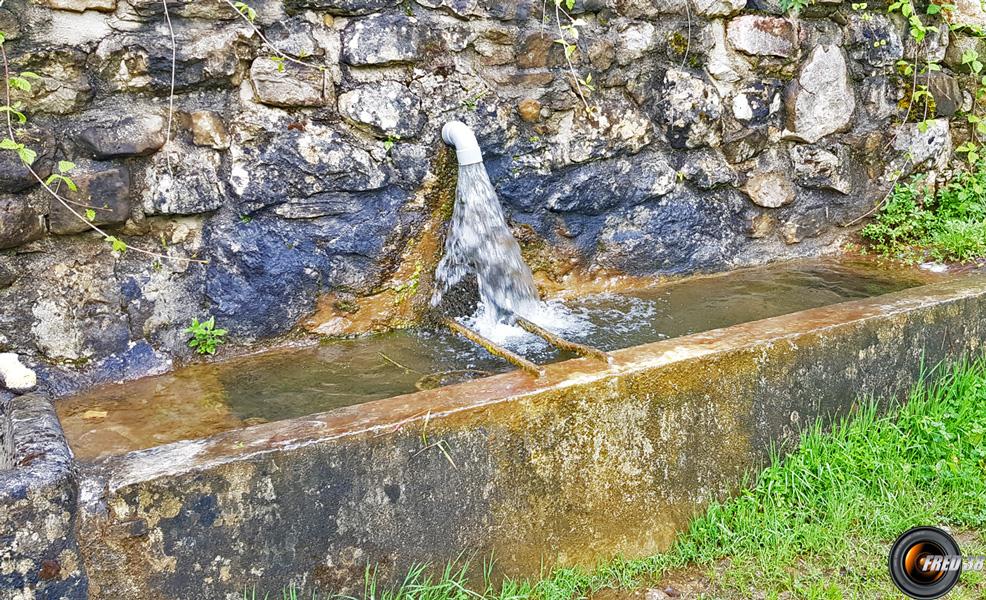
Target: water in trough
{"type": "Point", "coordinates": [201, 400]}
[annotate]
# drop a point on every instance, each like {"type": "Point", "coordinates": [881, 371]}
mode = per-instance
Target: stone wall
{"type": "Point", "coordinates": [726, 134]}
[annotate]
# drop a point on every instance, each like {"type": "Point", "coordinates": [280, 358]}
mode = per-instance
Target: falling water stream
{"type": "Point", "coordinates": [480, 243]}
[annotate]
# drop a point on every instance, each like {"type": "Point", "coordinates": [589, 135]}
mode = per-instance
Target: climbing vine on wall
{"type": "Point", "coordinates": [15, 118]}
{"type": "Point", "coordinates": [568, 37]}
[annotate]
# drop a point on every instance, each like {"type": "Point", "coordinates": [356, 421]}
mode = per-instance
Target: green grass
{"type": "Point", "coordinates": [947, 224]}
{"type": "Point", "coordinates": [818, 522]}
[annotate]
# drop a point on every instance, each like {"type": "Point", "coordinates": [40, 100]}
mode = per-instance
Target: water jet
{"type": "Point", "coordinates": [480, 243]}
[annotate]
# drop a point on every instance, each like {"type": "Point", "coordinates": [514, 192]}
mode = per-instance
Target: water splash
{"type": "Point", "coordinates": [480, 243]}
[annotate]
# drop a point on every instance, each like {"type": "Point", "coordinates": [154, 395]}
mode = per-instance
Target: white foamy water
{"type": "Point", "coordinates": [480, 244]}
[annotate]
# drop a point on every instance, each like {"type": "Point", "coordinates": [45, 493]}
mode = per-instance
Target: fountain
{"type": "Point", "coordinates": [480, 243]}
{"type": "Point", "coordinates": [352, 450]}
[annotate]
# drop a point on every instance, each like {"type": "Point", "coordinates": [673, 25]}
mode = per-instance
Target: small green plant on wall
{"type": "Point", "coordinates": [206, 338]}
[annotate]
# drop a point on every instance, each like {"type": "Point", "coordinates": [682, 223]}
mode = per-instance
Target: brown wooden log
{"type": "Point", "coordinates": [492, 347]}
{"type": "Point", "coordinates": [560, 342]}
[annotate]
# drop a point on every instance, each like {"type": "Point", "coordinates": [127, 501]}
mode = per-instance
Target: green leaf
{"type": "Point", "coordinates": [19, 83]}
{"type": "Point", "coordinates": [9, 144]}
{"type": "Point", "coordinates": [117, 244]}
{"type": "Point", "coordinates": [933, 9]}
{"type": "Point", "coordinates": [64, 166]}
{"type": "Point", "coordinates": [30, 75]}
{"type": "Point", "coordinates": [27, 155]}
{"type": "Point", "coordinates": [246, 11]}
{"type": "Point", "coordinates": [90, 214]}
{"type": "Point", "coordinates": [13, 110]}
{"type": "Point", "coordinates": [71, 184]}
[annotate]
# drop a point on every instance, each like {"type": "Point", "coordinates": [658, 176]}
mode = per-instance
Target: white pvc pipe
{"type": "Point", "coordinates": [458, 134]}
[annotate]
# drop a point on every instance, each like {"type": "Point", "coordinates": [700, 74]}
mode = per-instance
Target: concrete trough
{"type": "Point", "coordinates": [586, 462]}
{"type": "Point", "coordinates": [39, 556]}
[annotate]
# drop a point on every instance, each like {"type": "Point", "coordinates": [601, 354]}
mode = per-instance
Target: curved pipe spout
{"type": "Point", "coordinates": [459, 135]}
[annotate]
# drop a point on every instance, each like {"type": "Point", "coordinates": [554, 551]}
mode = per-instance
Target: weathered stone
{"type": "Point", "coordinates": [932, 48]}
{"type": "Point", "coordinates": [744, 145]}
{"type": "Point", "coordinates": [208, 129]}
{"type": "Point", "coordinates": [689, 109]}
{"type": "Point", "coordinates": [758, 35]}
{"type": "Point", "coordinates": [633, 41]}
{"type": "Point", "coordinates": [276, 265]}
{"type": "Point", "coordinates": [385, 108]}
{"type": "Point", "coordinates": [821, 100]}
{"type": "Point", "coordinates": [757, 102]}
{"type": "Point", "coordinates": [383, 39]}
{"type": "Point", "coordinates": [723, 63]}
{"type": "Point", "coordinates": [103, 188]}
{"type": "Point", "coordinates": [602, 54]}
{"type": "Point", "coordinates": [718, 8]}
{"type": "Point", "coordinates": [343, 7]}
{"type": "Point", "coordinates": [618, 126]}
{"type": "Point", "coordinates": [38, 503]}
{"type": "Point", "coordinates": [919, 150]}
{"type": "Point", "coordinates": [707, 169]}
{"type": "Point", "coordinates": [529, 109]}
{"type": "Point", "coordinates": [873, 39]}
{"type": "Point", "coordinates": [879, 97]}
{"type": "Point", "coordinates": [63, 86]}
{"type": "Point", "coordinates": [294, 37]}
{"type": "Point", "coordinates": [15, 176]}
{"type": "Point", "coordinates": [537, 50]}
{"type": "Point", "coordinates": [15, 376]}
{"type": "Point", "coordinates": [533, 78]}
{"type": "Point", "coordinates": [189, 9]}
{"type": "Point", "coordinates": [496, 46]}
{"type": "Point", "coordinates": [275, 169]}
{"type": "Point", "coordinates": [125, 136]}
{"type": "Point", "coordinates": [762, 225]}
{"type": "Point", "coordinates": [678, 233]}
{"type": "Point", "coordinates": [819, 168]}
{"type": "Point", "coordinates": [288, 84]}
{"type": "Point", "coordinates": [77, 312]}
{"type": "Point", "coordinates": [770, 190]}
{"type": "Point", "coordinates": [946, 93]}
{"type": "Point", "coordinates": [140, 61]}
{"type": "Point", "coordinates": [9, 24]}
{"type": "Point", "coordinates": [959, 43]}
{"type": "Point", "coordinates": [21, 221]}
{"type": "Point", "coordinates": [601, 186]}
{"type": "Point", "coordinates": [189, 184]}
{"type": "Point", "coordinates": [967, 12]}
{"type": "Point", "coordinates": [80, 5]}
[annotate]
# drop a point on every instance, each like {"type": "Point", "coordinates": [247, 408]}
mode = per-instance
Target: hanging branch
{"type": "Point", "coordinates": [171, 95]}
{"type": "Point", "coordinates": [249, 15]}
{"type": "Point", "coordinates": [569, 50]}
{"type": "Point", "coordinates": [117, 244]}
